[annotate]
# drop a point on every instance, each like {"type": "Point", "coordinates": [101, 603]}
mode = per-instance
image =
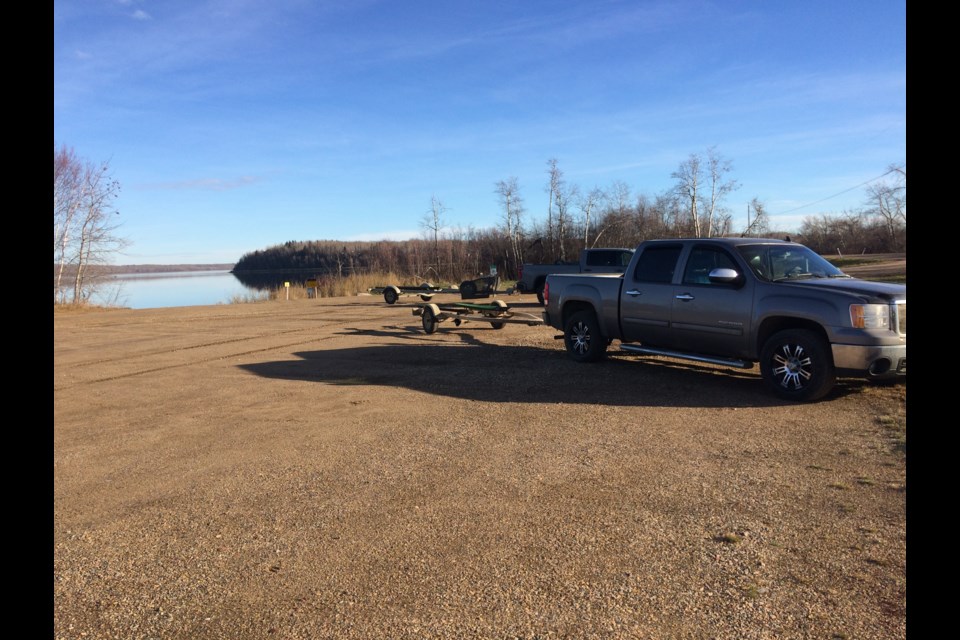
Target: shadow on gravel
{"type": "Point", "coordinates": [474, 370]}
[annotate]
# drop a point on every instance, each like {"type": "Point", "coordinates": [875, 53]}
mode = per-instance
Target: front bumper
{"type": "Point", "coordinates": [873, 361]}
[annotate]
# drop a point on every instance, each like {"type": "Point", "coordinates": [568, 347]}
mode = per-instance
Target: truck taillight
{"type": "Point", "coordinates": [546, 293]}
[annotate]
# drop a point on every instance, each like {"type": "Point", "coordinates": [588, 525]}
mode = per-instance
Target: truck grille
{"type": "Point", "coordinates": [900, 319]}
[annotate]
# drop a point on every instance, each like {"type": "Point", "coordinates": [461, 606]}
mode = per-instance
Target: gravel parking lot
{"type": "Point", "coordinates": [324, 469]}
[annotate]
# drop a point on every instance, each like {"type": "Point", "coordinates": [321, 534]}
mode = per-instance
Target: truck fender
{"type": "Point", "coordinates": [578, 297]}
{"type": "Point", "coordinates": [775, 313]}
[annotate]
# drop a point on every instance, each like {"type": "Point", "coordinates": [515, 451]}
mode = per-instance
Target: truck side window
{"type": "Point", "coordinates": [657, 264]}
{"type": "Point", "coordinates": [702, 261]}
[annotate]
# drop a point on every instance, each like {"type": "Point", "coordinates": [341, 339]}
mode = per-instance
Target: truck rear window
{"type": "Point", "coordinates": [657, 264]}
{"type": "Point", "coordinates": [613, 258]}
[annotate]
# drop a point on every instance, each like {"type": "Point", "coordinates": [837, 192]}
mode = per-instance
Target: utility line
{"type": "Point", "coordinates": [809, 204]}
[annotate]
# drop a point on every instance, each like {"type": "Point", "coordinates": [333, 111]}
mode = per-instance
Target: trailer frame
{"type": "Point", "coordinates": [497, 313]}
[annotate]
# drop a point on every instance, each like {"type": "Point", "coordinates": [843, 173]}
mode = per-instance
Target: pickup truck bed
{"type": "Point", "coordinates": [603, 260]}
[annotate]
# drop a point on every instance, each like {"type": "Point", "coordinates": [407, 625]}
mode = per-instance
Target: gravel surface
{"type": "Point", "coordinates": [324, 469]}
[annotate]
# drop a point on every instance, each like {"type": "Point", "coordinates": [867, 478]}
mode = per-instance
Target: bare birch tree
{"type": "Point", "coordinates": [760, 224]}
{"type": "Point", "coordinates": [720, 187]}
{"type": "Point", "coordinates": [68, 189]}
{"type": "Point", "coordinates": [587, 204]}
{"type": "Point", "coordinates": [689, 175]}
{"type": "Point", "coordinates": [553, 185]}
{"type": "Point", "coordinates": [888, 202]}
{"type": "Point", "coordinates": [433, 222]}
{"type": "Point", "coordinates": [85, 229]}
{"type": "Point", "coordinates": [563, 196]}
{"type": "Point", "coordinates": [509, 193]}
{"type": "Point", "coordinates": [696, 174]}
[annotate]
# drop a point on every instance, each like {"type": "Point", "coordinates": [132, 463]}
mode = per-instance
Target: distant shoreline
{"type": "Point", "coordinates": [158, 268]}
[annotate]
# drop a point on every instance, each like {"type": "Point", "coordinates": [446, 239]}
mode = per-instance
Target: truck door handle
{"type": "Point", "coordinates": [633, 292]}
{"type": "Point", "coordinates": [685, 297]}
{"type": "Point", "coordinates": [586, 270]}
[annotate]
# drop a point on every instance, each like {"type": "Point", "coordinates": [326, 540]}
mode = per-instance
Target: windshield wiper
{"type": "Point", "coordinates": [796, 276]}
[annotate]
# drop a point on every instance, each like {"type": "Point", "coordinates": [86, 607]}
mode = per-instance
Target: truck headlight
{"type": "Point", "coordinates": [870, 316]}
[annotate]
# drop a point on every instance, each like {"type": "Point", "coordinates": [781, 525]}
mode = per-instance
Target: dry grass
{"type": "Point", "coordinates": [81, 307]}
{"type": "Point", "coordinates": [329, 287]}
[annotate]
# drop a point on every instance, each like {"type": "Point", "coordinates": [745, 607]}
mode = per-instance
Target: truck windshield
{"type": "Point", "coordinates": [778, 262]}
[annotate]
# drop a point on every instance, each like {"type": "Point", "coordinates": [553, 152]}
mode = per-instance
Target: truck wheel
{"type": "Point", "coordinates": [796, 364]}
{"type": "Point", "coordinates": [540, 295]}
{"type": "Point", "coordinates": [390, 295]}
{"type": "Point", "coordinates": [581, 336]}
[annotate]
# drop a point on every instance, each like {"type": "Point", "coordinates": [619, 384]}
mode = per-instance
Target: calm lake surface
{"type": "Point", "coordinates": [179, 289]}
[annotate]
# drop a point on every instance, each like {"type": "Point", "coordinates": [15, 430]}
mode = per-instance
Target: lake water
{"type": "Point", "coordinates": [179, 289]}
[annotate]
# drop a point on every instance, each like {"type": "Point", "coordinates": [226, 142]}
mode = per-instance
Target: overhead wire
{"type": "Point", "coordinates": [839, 193]}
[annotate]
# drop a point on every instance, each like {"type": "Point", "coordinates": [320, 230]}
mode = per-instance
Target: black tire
{"type": "Point", "coordinates": [425, 297]}
{"type": "Point", "coordinates": [502, 306]}
{"type": "Point", "coordinates": [468, 290]}
{"type": "Point", "coordinates": [538, 288]}
{"type": "Point", "coordinates": [390, 295]}
{"type": "Point", "coordinates": [582, 337]}
{"type": "Point", "coordinates": [429, 320]}
{"type": "Point", "coordinates": [796, 364]}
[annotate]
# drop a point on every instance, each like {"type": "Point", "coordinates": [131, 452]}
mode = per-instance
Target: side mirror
{"type": "Point", "coordinates": [722, 275]}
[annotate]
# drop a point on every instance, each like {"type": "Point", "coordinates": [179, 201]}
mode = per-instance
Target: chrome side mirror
{"type": "Point", "coordinates": [723, 275]}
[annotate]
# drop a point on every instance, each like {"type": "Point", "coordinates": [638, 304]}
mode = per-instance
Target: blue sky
{"type": "Point", "coordinates": [234, 125]}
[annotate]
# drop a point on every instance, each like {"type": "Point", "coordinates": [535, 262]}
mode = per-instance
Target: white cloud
{"type": "Point", "coordinates": [203, 184]}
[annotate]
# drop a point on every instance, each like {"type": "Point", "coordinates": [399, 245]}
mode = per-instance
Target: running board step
{"type": "Point", "coordinates": [727, 362]}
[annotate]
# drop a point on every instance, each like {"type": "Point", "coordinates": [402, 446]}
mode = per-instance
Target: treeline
{"type": "Point", "coordinates": [575, 218]}
{"type": "Point", "coordinates": [461, 255]}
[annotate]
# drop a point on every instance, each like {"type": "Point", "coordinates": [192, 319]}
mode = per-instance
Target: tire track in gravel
{"type": "Point", "coordinates": [133, 359]}
{"type": "Point", "coordinates": [191, 363]}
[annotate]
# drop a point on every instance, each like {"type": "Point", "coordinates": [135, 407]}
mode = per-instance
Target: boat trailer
{"type": "Point", "coordinates": [497, 313]}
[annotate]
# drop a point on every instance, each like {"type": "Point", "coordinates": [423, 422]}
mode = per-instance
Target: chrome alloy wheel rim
{"type": "Point", "coordinates": [793, 366]}
{"type": "Point", "coordinates": [581, 338]}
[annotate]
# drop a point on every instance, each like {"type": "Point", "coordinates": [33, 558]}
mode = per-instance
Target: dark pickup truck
{"type": "Point", "coordinates": [738, 302]}
{"type": "Point", "coordinates": [532, 276]}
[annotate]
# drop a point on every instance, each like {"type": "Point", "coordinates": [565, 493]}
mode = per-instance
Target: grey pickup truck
{"type": "Point", "coordinates": [532, 276]}
{"type": "Point", "coordinates": [737, 302]}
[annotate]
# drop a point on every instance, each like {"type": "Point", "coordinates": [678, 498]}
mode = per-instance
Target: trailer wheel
{"type": "Point", "coordinates": [582, 337]}
{"type": "Point", "coordinates": [390, 294]}
{"type": "Point", "coordinates": [429, 319]}
{"type": "Point", "coordinates": [502, 307]}
{"type": "Point", "coordinates": [468, 290]}
{"type": "Point", "coordinates": [425, 297]}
